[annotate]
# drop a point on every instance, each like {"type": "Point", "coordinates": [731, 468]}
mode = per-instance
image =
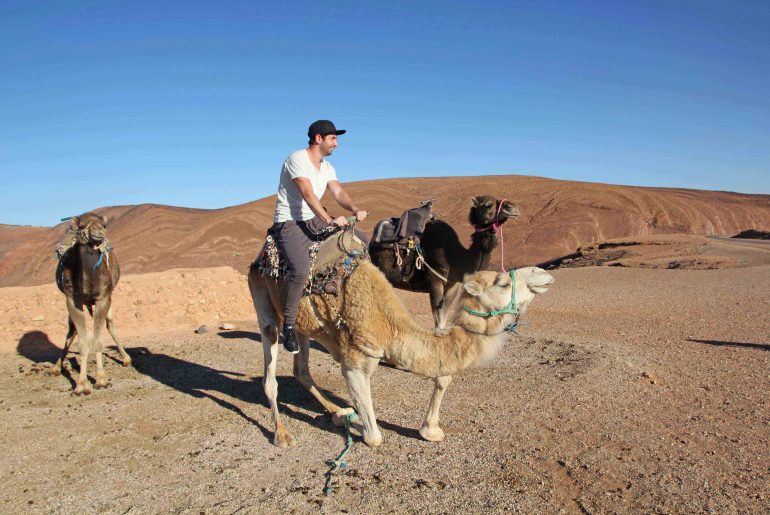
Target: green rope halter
{"type": "Point", "coordinates": [511, 308]}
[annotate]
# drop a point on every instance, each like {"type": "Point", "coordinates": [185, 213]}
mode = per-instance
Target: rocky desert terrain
{"type": "Point", "coordinates": [637, 383]}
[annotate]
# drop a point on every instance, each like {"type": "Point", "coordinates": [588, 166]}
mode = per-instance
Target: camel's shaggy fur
{"type": "Point", "coordinates": [367, 322]}
{"type": "Point", "coordinates": [445, 254]}
{"type": "Point", "coordinates": [87, 275]}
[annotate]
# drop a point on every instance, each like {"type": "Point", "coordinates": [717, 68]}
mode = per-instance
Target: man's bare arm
{"type": "Point", "coordinates": [306, 190]}
{"type": "Point", "coordinates": [344, 200]}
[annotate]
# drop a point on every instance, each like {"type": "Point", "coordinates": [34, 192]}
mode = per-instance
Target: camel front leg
{"type": "Point", "coordinates": [101, 308]}
{"type": "Point", "coordinates": [430, 429]}
{"type": "Point", "coordinates": [357, 378]}
{"type": "Point", "coordinates": [78, 317]}
{"type": "Point", "coordinates": [302, 374]}
{"type": "Point", "coordinates": [111, 328]}
{"type": "Point", "coordinates": [436, 287]}
{"type": "Point", "coordinates": [71, 333]}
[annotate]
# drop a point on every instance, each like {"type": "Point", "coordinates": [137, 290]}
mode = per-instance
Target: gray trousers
{"type": "Point", "coordinates": [295, 240]}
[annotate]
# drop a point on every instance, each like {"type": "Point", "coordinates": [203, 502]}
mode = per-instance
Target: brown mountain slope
{"type": "Point", "coordinates": [556, 218]}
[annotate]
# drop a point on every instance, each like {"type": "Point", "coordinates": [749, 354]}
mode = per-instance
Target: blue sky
{"type": "Point", "coordinates": [197, 104]}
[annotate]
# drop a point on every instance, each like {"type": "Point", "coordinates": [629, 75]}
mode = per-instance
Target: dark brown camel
{"type": "Point", "coordinates": [444, 253]}
{"type": "Point", "coordinates": [87, 274]}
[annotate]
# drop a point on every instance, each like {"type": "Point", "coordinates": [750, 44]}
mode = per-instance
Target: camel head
{"type": "Point", "coordinates": [531, 281]}
{"type": "Point", "coordinates": [89, 228]}
{"type": "Point", "coordinates": [487, 211]}
{"type": "Point", "coordinates": [487, 296]}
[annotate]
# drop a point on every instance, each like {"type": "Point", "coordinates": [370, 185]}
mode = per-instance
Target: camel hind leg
{"type": "Point", "coordinates": [268, 326]}
{"type": "Point", "coordinates": [302, 374]}
{"type": "Point", "coordinates": [71, 333]}
{"type": "Point", "coordinates": [430, 429]}
{"type": "Point", "coordinates": [111, 328]}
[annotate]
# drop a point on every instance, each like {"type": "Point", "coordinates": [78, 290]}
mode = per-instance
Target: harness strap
{"type": "Point", "coordinates": [511, 308]}
{"type": "Point", "coordinates": [421, 261]}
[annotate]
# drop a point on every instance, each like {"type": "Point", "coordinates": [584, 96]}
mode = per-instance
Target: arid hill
{"type": "Point", "coordinates": [556, 218]}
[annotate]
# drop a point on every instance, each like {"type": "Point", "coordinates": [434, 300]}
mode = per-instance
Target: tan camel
{"type": "Point", "coordinates": [87, 274]}
{"type": "Point", "coordinates": [367, 323]}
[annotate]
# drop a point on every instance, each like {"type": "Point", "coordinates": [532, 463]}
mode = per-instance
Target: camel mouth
{"type": "Point", "coordinates": [539, 289]}
{"type": "Point", "coordinates": [510, 211]}
{"type": "Point", "coordinates": [540, 282]}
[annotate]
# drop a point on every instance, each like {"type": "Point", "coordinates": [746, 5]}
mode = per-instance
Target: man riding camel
{"type": "Point", "coordinates": [300, 217]}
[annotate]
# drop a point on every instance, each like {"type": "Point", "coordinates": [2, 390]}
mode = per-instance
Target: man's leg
{"type": "Point", "coordinates": [295, 245]}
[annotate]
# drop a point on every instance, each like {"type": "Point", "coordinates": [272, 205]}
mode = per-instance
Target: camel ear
{"type": "Point", "coordinates": [474, 201]}
{"type": "Point", "coordinates": [473, 288]}
{"type": "Point", "coordinates": [74, 222]}
{"type": "Point", "coordinates": [103, 219]}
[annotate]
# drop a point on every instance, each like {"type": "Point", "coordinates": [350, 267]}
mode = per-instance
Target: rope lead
{"type": "Point", "coordinates": [339, 463]}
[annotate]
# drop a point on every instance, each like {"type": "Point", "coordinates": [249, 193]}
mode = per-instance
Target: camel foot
{"type": "Point", "coordinates": [55, 371]}
{"type": "Point", "coordinates": [373, 440]}
{"type": "Point", "coordinates": [82, 389]}
{"type": "Point", "coordinates": [432, 434]}
{"type": "Point", "coordinates": [127, 362]}
{"type": "Point", "coordinates": [338, 419]}
{"type": "Point", "coordinates": [101, 380]}
{"type": "Point", "coordinates": [283, 439]}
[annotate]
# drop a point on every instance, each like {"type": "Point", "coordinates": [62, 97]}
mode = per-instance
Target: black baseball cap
{"type": "Point", "coordinates": [324, 128]}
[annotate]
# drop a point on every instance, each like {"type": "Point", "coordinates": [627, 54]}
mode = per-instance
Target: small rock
{"type": "Point", "coordinates": [202, 329]}
{"type": "Point", "coordinates": [227, 327]}
{"type": "Point", "coordinates": [38, 318]}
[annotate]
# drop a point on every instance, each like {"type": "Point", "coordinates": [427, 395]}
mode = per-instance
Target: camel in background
{"type": "Point", "coordinates": [444, 253]}
{"type": "Point", "coordinates": [367, 323]}
{"type": "Point", "coordinates": [87, 274]}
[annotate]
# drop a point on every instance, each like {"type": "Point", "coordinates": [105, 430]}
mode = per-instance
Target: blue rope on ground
{"type": "Point", "coordinates": [339, 463]}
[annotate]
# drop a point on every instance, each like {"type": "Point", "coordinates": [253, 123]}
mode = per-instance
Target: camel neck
{"type": "Point", "coordinates": [434, 355]}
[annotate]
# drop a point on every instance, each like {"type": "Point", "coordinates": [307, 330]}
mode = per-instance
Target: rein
{"type": "Point", "coordinates": [495, 227]}
{"type": "Point", "coordinates": [510, 309]}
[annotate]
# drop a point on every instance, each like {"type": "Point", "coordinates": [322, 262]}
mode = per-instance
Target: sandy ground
{"type": "Point", "coordinates": [629, 390]}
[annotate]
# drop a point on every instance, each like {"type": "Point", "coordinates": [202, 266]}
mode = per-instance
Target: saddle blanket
{"type": "Point", "coordinates": [328, 279]}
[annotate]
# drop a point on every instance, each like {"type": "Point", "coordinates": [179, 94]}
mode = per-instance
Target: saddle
{"type": "Point", "coordinates": [410, 225]}
{"type": "Point", "coordinates": [332, 261]}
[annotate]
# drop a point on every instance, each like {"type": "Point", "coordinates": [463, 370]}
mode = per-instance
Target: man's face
{"type": "Point", "coordinates": [327, 144]}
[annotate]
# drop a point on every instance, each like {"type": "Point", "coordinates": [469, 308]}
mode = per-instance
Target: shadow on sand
{"type": "Point", "coordinates": [745, 345]}
{"type": "Point", "coordinates": [237, 335]}
{"type": "Point", "coordinates": [37, 346]}
{"type": "Point", "coordinates": [201, 381]}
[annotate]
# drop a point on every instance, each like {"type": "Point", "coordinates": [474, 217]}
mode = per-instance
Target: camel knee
{"type": "Point", "coordinates": [269, 332]}
{"type": "Point", "coordinates": [270, 384]}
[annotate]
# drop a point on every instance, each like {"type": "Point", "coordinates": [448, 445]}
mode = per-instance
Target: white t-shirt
{"type": "Point", "coordinates": [290, 205]}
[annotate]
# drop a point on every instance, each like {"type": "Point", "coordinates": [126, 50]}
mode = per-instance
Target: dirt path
{"type": "Point", "coordinates": [629, 390]}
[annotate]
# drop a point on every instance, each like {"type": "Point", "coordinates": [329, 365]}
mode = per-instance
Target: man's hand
{"type": "Point", "coordinates": [340, 221]}
{"type": "Point", "coordinates": [361, 215]}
